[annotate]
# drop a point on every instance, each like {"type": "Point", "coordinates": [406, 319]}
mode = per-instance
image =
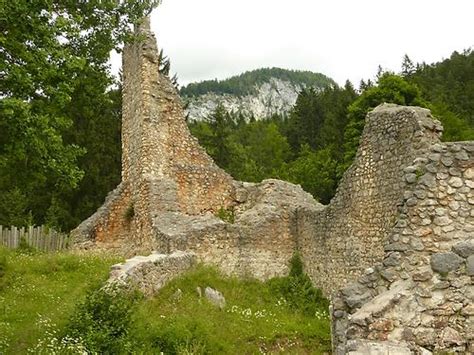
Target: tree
{"type": "Point", "coordinates": [50, 51]}
{"type": "Point", "coordinates": [316, 172]}
{"type": "Point", "coordinates": [390, 88]}
{"type": "Point", "coordinates": [408, 68]}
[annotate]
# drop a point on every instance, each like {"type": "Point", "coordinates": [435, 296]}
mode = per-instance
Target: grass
{"type": "Point", "coordinates": [37, 288]}
{"type": "Point", "coordinates": [256, 319]}
{"type": "Point", "coordinates": [46, 298]}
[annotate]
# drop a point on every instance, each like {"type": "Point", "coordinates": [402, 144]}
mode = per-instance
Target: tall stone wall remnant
{"type": "Point", "coordinates": [172, 192]}
{"type": "Point", "coordinates": [348, 236]}
{"type": "Point", "coordinates": [394, 249]}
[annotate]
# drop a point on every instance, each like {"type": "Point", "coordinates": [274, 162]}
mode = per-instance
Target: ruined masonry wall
{"type": "Point", "coordinates": [339, 242]}
{"type": "Point", "coordinates": [421, 296]}
{"type": "Point", "coordinates": [163, 166]}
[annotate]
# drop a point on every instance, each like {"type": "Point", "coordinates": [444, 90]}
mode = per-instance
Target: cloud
{"type": "Point", "coordinates": [343, 39]}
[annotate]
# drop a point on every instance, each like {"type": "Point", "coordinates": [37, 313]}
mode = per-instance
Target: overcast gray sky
{"type": "Point", "coordinates": [344, 39]}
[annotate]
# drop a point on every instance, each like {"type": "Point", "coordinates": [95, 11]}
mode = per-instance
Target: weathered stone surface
{"type": "Point", "coordinates": [433, 315]}
{"type": "Point", "coordinates": [464, 248]}
{"type": "Point", "coordinates": [150, 273]}
{"type": "Point", "coordinates": [470, 266]}
{"type": "Point", "coordinates": [215, 297]}
{"type": "Point", "coordinates": [356, 295]}
{"type": "Point", "coordinates": [364, 347]}
{"type": "Point", "coordinates": [445, 262]}
{"type": "Point", "coordinates": [172, 192]}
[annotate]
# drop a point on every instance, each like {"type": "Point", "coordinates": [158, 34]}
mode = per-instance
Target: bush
{"type": "Point", "coordinates": [298, 290]}
{"type": "Point", "coordinates": [103, 321]}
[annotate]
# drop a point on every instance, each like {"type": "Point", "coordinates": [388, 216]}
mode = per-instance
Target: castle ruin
{"type": "Point", "coordinates": [394, 249]}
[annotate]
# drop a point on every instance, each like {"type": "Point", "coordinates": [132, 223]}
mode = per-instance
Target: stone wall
{"type": "Point", "coordinates": [402, 212]}
{"type": "Point", "coordinates": [421, 296]}
{"type": "Point", "coordinates": [172, 191]}
{"type": "Point", "coordinates": [150, 273]}
{"type": "Point", "coordinates": [339, 242]}
{"type": "Point", "coordinates": [163, 166]}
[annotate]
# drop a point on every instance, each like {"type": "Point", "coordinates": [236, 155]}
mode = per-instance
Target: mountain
{"type": "Point", "coordinates": [259, 93]}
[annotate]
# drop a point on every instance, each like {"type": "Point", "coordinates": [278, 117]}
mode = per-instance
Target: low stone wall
{"type": "Point", "coordinates": [421, 296]}
{"type": "Point", "coordinates": [259, 242]}
{"type": "Point", "coordinates": [151, 273]}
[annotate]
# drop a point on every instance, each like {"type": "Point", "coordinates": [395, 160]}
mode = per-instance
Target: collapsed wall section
{"type": "Point", "coordinates": [339, 242]}
{"type": "Point", "coordinates": [420, 298]}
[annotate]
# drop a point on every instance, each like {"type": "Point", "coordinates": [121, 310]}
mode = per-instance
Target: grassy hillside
{"type": "Point", "coordinates": [245, 83]}
{"type": "Point", "coordinates": [51, 303]}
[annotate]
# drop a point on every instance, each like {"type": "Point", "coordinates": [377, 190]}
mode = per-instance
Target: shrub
{"type": "Point", "coordinates": [103, 321]}
{"type": "Point", "coordinates": [298, 290]}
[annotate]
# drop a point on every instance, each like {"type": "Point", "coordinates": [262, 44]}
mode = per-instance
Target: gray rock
{"type": "Point", "coordinates": [470, 266]}
{"type": "Point", "coordinates": [464, 248]}
{"type": "Point", "coordinates": [455, 182]}
{"type": "Point", "coordinates": [445, 262]}
{"type": "Point", "coordinates": [410, 178]}
{"type": "Point", "coordinates": [365, 347]}
{"type": "Point", "coordinates": [422, 276]}
{"type": "Point", "coordinates": [392, 260]}
{"type": "Point", "coordinates": [355, 295]}
{"type": "Point", "coordinates": [447, 161]}
{"type": "Point", "coordinates": [215, 297]}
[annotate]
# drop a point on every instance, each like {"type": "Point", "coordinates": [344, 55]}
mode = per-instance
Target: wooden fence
{"type": "Point", "coordinates": [41, 238]}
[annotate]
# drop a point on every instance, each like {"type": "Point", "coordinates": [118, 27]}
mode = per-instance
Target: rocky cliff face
{"type": "Point", "coordinates": [276, 96]}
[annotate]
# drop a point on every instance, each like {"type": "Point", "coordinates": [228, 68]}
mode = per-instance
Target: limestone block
{"type": "Point", "coordinates": [445, 262]}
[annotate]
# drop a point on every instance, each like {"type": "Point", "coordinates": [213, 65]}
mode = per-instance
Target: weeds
{"type": "Point", "coordinates": [227, 215]}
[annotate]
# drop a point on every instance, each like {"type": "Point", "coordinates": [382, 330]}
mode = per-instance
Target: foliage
{"type": "Point", "coordinates": [25, 248]}
{"type": "Point", "coordinates": [255, 319]}
{"type": "Point", "coordinates": [390, 88]}
{"type": "Point", "coordinates": [227, 215]}
{"type": "Point", "coordinates": [103, 321]}
{"type": "Point", "coordinates": [449, 87]}
{"type": "Point", "coordinates": [53, 304]}
{"type": "Point", "coordinates": [449, 82]}
{"type": "Point", "coordinates": [298, 291]}
{"type": "Point", "coordinates": [249, 151]}
{"type": "Point", "coordinates": [40, 287]}
{"type": "Point", "coordinates": [54, 80]}
{"type": "Point", "coordinates": [3, 265]}
{"type": "Point", "coordinates": [246, 83]}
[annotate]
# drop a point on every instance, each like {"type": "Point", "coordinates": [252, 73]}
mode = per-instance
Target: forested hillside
{"type": "Point", "coordinates": [60, 147]}
{"type": "Point", "coordinates": [247, 82]}
{"type": "Point", "coordinates": [317, 141]}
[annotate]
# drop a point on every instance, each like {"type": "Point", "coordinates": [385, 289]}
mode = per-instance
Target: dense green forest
{"type": "Point", "coordinates": [246, 83]}
{"type": "Point", "coordinates": [60, 147]}
{"type": "Point", "coordinates": [317, 141]}
{"type": "Point", "coordinates": [59, 121]}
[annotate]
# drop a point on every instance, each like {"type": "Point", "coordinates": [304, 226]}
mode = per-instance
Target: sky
{"type": "Point", "coordinates": [343, 39]}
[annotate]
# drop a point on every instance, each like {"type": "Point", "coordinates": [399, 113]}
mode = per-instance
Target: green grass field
{"type": "Point", "coordinates": [50, 304]}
